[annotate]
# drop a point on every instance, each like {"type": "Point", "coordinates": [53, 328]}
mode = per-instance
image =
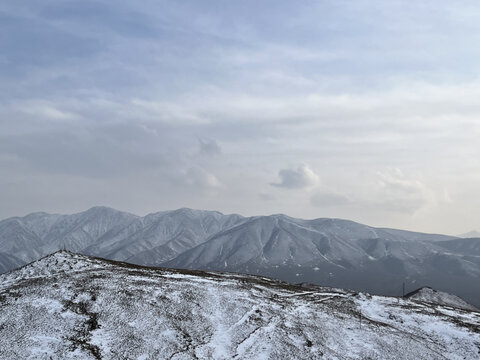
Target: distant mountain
{"type": "Point", "coordinates": [162, 236]}
{"type": "Point", "coordinates": [340, 253]}
{"type": "Point", "coordinates": [39, 234]}
{"type": "Point", "coordinates": [470, 234]}
{"type": "Point", "coordinates": [330, 252]}
{"type": "Point", "coordinates": [73, 306]}
{"type": "Point", "coordinates": [429, 295]}
{"type": "Point", "coordinates": [469, 247]}
{"type": "Point", "coordinates": [8, 262]}
{"type": "Point", "coordinates": [110, 233]}
{"type": "Point", "coordinates": [279, 240]}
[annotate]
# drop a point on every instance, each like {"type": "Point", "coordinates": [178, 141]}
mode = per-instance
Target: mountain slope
{"type": "Point", "coordinates": [38, 234]}
{"type": "Point", "coordinates": [8, 262]}
{"type": "Point", "coordinates": [110, 233]}
{"type": "Point", "coordinates": [281, 240]}
{"type": "Point", "coordinates": [470, 234]}
{"type": "Point", "coordinates": [469, 247]}
{"type": "Point", "coordinates": [427, 294]}
{"type": "Point", "coordinates": [340, 253]}
{"type": "Point", "coordinates": [162, 236]}
{"type": "Point", "coordinates": [72, 306]}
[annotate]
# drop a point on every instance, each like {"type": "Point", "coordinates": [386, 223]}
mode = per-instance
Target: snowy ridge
{"type": "Point", "coordinates": [51, 265]}
{"type": "Point", "coordinates": [429, 295]}
{"type": "Point", "coordinates": [110, 233]}
{"type": "Point", "coordinates": [88, 308]}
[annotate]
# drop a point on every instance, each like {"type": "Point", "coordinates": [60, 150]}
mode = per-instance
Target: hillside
{"type": "Point", "coordinates": [72, 306]}
{"type": "Point", "coordinates": [8, 262]}
{"type": "Point", "coordinates": [329, 252]}
{"type": "Point", "coordinates": [429, 295]}
{"type": "Point", "coordinates": [340, 253]}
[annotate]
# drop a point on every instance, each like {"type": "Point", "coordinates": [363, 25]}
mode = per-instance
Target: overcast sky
{"type": "Point", "coordinates": [365, 110]}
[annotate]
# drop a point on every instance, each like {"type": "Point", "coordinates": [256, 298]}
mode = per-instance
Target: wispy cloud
{"type": "Point", "coordinates": [201, 179]}
{"type": "Point", "coordinates": [94, 92]}
{"type": "Point", "coordinates": [397, 192]}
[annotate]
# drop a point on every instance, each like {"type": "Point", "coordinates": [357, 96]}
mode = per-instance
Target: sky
{"type": "Point", "coordinates": [365, 110]}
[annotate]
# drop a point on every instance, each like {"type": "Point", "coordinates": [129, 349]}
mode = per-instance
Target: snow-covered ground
{"type": "Point", "coordinates": [69, 306]}
{"type": "Point", "coordinates": [429, 295]}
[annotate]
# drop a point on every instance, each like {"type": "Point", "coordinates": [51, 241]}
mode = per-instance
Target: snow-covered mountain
{"type": "Point", "coordinates": [330, 252]}
{"type": "Point", "coordinates": [341, 253]}
{"type": "Point", "coordinates": [427, 294]}
{"type": "Point", "coordinates": [470, 234]}
{"type": "Point", "coordinates": [38, 234]}
{"type": "Point", "coordinates": [70, 306]}
{"type": "Point", "coordinates": [110, 233]}
{"type": "Point", "coordinates": [8, 262]}
{"type": "Point", "coordinates": [468, 246]}
{"type": "Point", "coordinates": [162, 236]}
{"type": "Point", "coordinates": [279, 240]}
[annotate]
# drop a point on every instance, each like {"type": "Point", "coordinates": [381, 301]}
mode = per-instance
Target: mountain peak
{"type": "Point", "coordinates": [61, 261]}
{"type": "Point", "coordinates": [191, 212]}
{"type": "Point", "coordinates": [430, 295]}
{"type": "Point", "coordinates": [104, 210]}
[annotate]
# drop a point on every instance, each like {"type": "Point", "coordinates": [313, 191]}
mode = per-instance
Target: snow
{"type": "Point", "coordinates": [426, 321]}
{"type": "Point", "coordinates": [430, 295]}
{"type": "Point", "coordinates": [69, 306]}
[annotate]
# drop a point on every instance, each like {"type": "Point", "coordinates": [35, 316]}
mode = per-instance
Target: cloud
{"type": "Point", "coordinates": [302, 177]}
{"type": "Point", "coordinates": [328, 199]}
{"type": "Point", "coordinates": [168, 112]}
{"type": "Point", "coordinates": [266, 197]}
{"type": "Point", "coordinates": [45, 111]}
{"type": "Point", "coordinates": [201, 179]}
{"type": "Point", "coordinates": [102, 151]}
{"type": "Point", "coordinates": [209, 148]}
{"type": "Point", "coordinates": [389, 191]}
{"type": "Point", "coordinates": [398, 193]}
{"type": "Point", "coordinates": [100, 91]}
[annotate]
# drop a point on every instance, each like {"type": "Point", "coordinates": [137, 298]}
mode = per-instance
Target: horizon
{"type": "Point", "coordinates": [360, 110]}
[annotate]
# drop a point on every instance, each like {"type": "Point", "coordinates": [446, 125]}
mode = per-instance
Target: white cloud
{"type": "Point", "coordinates": [163, 111]}
{"type": "Point", "coordinates": [399, 193]}
{"type": "Point", "coordinates": [41, 110]}
{"type": "Point", "coordinates": [302, 177]}
{"type": "Point", "coordinates": [201, 179]}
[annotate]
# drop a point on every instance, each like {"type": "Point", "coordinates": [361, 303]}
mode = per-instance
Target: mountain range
{"type": "Point", "coordinates": [330, 252]}
{"type": "Point", "coordinates": [72, 306]}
